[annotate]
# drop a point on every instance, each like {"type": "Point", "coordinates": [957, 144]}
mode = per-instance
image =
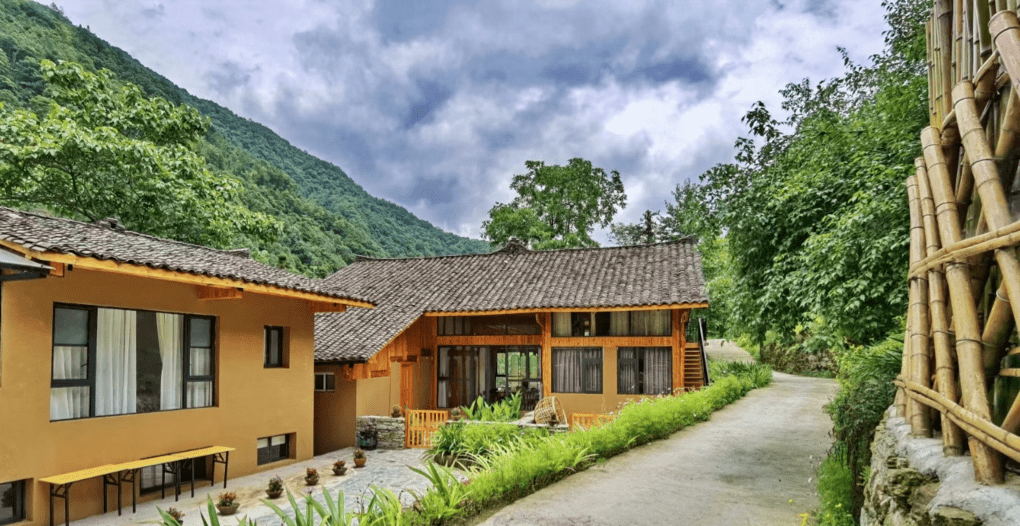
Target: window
{"type": "Point", "coordinates": [325, 382]}
{"type": "Point", "coordinates": [577, 370]}
{"type": "Point", "coordinates": [12, 502]}
{"type": "Point", "coordinates": [617, 323]}
{"type": "Point", "coordinates": [274, 448]}
{"type": "Point", "coordinates": [274, 347]}
{"type": "Point", "coordinates": [644, 370]}
{"type": "Point", "coordinates": [488, 325]}
{"type": "Point", "coordinates": [119, 361]}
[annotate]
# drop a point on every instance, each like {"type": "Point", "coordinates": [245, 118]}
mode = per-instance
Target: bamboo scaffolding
{"type": "Point", "coordinates": [945, 368]}
{"type": "Point", "coordinates": [920, 359]}
{"type": "Point", "coordinates": [987, 464]}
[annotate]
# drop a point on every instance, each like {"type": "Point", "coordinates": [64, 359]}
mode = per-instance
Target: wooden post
{"type": "Point", "coordinates": [945, 369]}
{"type": "Point", "coordinates": [547, 377]}
{"type": "Point", "coordinates": [920, 423]}
{"type": "Point", "coordinates": [987, 463]}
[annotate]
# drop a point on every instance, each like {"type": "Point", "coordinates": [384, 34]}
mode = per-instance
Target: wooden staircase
{"type": "Point", "coordinates": [694, 372]}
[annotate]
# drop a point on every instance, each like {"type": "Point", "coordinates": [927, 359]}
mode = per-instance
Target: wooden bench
{"type": "Point", "coordinates": [116, 474]}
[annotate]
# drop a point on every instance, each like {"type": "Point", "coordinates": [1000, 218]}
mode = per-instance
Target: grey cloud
{"type": "Point", "coordinates": [229, 76]}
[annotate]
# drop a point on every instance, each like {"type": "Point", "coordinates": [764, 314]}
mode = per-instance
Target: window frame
{"type": "Point", "coordinates": [19, 501]}
{"type": "Point", "coordinates": [325, 384]}
{"type": "Point", "coordinates": [267, 362]}
{"type": "Point", "coordinates": [270, 449]}
{"type": "Point", "coordinates": [584, 364]}
{"type": "Point", "coordinates": [90, 380]}
{"type": "Point", "coordinates": [593, 324]}
{"type": "Point", "coordinates": [640, 361]}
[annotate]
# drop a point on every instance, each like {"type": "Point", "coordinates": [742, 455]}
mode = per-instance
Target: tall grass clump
{"type": "Point", "coordinates": [506, 410]}
{"type": "Point", "coordinates": [865, 392]}
{"type": "Point", "coordinates": [835, 491]}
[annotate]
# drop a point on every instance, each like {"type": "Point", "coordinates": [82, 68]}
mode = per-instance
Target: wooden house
{"type": "Point", "coordinates": [593, 327]}
{"type": "Point", "coordinates": [128, 355]}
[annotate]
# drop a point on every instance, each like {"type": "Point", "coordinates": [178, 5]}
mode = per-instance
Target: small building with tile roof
{"type": "Point", "coordinates": [118, 347]}
{"type": "Point", "coordinates": [593, 327]}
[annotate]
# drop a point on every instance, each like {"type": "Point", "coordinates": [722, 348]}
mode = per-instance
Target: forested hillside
{"type": "Point", "coordinates": [326, 217]}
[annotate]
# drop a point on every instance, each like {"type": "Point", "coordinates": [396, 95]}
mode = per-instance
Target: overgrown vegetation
{"type": "Point", "coordinates": [506, 410]}
{"type": "Point", "coordinates": [326, 218]}
{"type": "Point", "coordinates": [467, 441]}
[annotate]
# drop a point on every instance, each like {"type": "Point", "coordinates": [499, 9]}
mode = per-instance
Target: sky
{"type": "Point", "coordinates": [436, 104]}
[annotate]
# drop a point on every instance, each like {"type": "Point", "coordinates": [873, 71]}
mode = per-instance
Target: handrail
{"type": "Point", "coordinates": [702, 333]}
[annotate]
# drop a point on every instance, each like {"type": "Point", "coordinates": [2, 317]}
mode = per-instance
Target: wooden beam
{"type": "Point", "coordinates": [322, 306]}
{"type": "Point", "coordinates": [175, 276]}
{"type": "Point", "coordinates": [58, 269]}
{"type": "Point", "coordinates": [205, 292]}
{"type": "Point", "coordinates": [569, 309]}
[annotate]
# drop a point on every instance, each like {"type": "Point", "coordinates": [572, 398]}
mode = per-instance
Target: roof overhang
{"type": "Point", "coordinates": [14, 267]}
{"type": "Point", "coordinates": [700, 305]}
{"type": "Point", "coordinates": [317, 302]}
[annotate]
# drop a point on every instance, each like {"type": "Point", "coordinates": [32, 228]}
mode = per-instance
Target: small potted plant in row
{"type": "Point", "coordinates": [339, 468]}
{"type": "Point", "coordinates": [359, 458]}
{"type": "Point", "coordinates": [275, 488]}
{"type": "Point", "coordinates": [176, 514]}
{"type": "Point", "coordinates": [311, 476]}
{"type": "Point", "coordinates": [227, 505]}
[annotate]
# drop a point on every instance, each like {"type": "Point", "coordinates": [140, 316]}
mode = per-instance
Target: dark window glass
{"type": "Point", "coordinates": [577, 370]}
{"type": "Point", "coordinates": [274, 347]}
{"type": "Point", "coordinates": [274, 448]}
{"type": "Point", "coordinates": [644, 370]}
{"type": "Point", "coordinates": [12, 502]}
{"type": "Point", "coordinates": [488, 325]}
{"type": "Point", "coordinates": [325, 382]}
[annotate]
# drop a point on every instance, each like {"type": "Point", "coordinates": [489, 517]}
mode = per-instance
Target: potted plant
{"type": "Point", "coordinates": [227, 505]}
{"type": "Point", "coordinates": [396, 412]}
{"type": "Point", "coordinates": [311, 476]}
{"type": "Point", "coordinates": [275, 488]}
{"type": "Point", "coordinates": [339, 468]}
{"type": "Point", "coordinates": [456, 414]}
{"type": "Point", "coordinates": [368, 439]}
{"type": "Point", "coordinates": [359, 458]}
{"type": "Point", "coordinates": [177, 515]}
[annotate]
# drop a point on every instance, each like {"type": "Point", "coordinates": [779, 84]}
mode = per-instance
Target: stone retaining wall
{"type": "Point", "coordinates": [391, 430]}
{"type": "Point", "coordinates": [913, 484]}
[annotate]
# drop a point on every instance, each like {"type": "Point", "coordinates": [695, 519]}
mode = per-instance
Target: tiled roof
{"type": "Point", "coordinates": [508, 279]}
{"type": "Point", "coordinates": [109, 241]}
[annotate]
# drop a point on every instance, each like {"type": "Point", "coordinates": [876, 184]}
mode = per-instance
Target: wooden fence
{"type": "Point", "coordinates": [961, 324]}
{"type": "Point", "coordinates": [421, 424]}
{"type": "Point", "coordinates": [588, 420]}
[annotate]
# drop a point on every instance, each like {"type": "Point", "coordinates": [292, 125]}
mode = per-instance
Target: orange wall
{"type": "Point", "coordinates": [253, 401]}
{"type": "Point", "coordinates": [335, 413]}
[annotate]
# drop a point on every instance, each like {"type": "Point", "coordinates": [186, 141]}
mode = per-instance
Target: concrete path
{"type": "Point", "coordinates": [726, 351]}
{"type": "Point", "coordinates": [753, 463]}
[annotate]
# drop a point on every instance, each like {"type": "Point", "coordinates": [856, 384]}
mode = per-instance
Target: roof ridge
{"type": "Point", "coordinates": [125, 231]}
{"type": "Point", "coordinates": [686, 239]}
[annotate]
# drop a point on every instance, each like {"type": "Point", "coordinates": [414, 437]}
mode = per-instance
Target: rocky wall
{"type": "Point", "coordinates": [913, 483]}
{"type": "Point", "coordinates": [390, 431]}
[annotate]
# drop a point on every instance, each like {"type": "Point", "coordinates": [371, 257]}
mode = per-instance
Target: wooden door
{"type": "Point", "coordinates": [407, 386]}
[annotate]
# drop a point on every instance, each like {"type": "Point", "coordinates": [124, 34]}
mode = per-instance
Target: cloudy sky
{"type": "Point", "coordinates": [435, 104]}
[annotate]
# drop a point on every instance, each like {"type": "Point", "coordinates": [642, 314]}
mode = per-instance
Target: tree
{"type": "Point", "coordinates": [557, 206]}
{"type": "Point", "coordinates": [647, 231]}
{"type": "Point", "coordinates": [96, 148]}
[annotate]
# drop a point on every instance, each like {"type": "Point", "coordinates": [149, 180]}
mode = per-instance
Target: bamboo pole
{"type": "Point", "coordinates": [944, 23]}
{"type": "Point", "coordinates": [1005, 29]}
{"type": "Point", "coordinates": [920, 358]}
{"type": "Point", "coordinates": [1009, 134]}
{"type": "Point", "coordinates": [901, 397]}
{"type": "Point", "coordinates": [945, 368]}
{"type": "Point", "coordinates": [987, 464]}
{"type": "Point", "coordinates": [972, 246]}
{"type": "Point", "coordinates": [996, 438]}
{"type": "Point", "coordinates": [996, 333]}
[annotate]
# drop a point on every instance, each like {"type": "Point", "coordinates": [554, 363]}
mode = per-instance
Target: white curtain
{"type": "Point", "coordinates": [650, 323]}
{"type": "Point", "coordinates": [170, 328]}
{"type": "Point", "coordinates": [116, 368]}
{"type": "Point", "coordinates": [658, 373]}
{"type": "Point", "coordinates": [618, 323]}
{"type": "Point", "coordinates": [200, 393]}
{"type": "Point", "coordinates": [567, 370]}
{"type": "Point", "coordinates": [627, 366]}
{"type": "Point", "coordinates": [69, 402]}
{"type": "Point", "coordinates": [561, 324]}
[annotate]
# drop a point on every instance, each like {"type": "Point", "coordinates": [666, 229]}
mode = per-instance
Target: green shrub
{"type": "Point", "coordinates": [506, 410]}
{"type": "Point", "coordinates": [475, 440]}
{"type": "Point", "coordinates": [865, 392]}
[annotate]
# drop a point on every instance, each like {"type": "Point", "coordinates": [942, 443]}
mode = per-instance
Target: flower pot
{"type": "Point", "coordinates": [274, 494]}
{"type": "Point", "coordinates": [360, 462]}
{"type": "Point", "coordinates": [228, 510]}
{"type": "Point", "coordinates": [312, 482]}
{"type": "Point", "coordinates": [340, 471]}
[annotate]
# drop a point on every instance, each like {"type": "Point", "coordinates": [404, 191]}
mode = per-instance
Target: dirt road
{"type": "Point", "coordinates": [753, 463]}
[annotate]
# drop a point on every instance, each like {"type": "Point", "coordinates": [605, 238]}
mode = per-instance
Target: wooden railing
{"type": "Point", "coordinates": [589, 420]}
{"type": "Point", "coordinates": [421, 424]}
{"type": "Point", "coordinates": [961, 228]}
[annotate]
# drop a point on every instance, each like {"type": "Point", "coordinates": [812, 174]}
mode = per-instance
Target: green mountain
{"type": "Point", "coordinates": [327, 217]}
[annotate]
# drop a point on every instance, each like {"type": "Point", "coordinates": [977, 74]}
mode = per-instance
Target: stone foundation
{"type": "Point", "coordinates": [390, 430]}
{"type": "Point", "coordinates": [913, 484]}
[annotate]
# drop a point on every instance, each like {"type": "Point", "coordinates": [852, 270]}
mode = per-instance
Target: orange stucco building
{"type": "Point", "coordinates": [117, 347]}
{"type": "Point", "coordinates": [592, 327]}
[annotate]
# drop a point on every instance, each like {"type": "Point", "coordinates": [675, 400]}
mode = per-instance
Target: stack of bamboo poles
{"type": "Point", "coordinates": [964, 198]}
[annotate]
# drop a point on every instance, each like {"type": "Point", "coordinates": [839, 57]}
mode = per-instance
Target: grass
{"type": "Point", "coordinates": [835, 493]}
